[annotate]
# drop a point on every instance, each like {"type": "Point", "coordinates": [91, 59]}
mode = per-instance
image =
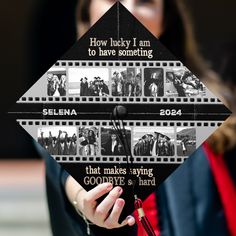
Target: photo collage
{"type": "Point", "coordinates": [88, 141]}
{"type": "Point", "coordinates": [124, 82]}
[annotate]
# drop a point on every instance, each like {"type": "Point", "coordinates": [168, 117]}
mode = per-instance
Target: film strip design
{"type": "Point", "coordinates": [152, 142]}
{"type": "Point", "coordinates": [119, 82]}
{"type": "Point", "coordinates": [167, 111]}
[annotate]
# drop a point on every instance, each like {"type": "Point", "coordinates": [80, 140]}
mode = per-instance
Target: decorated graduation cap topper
{"type": "Point", "coordinates": [119, 107]}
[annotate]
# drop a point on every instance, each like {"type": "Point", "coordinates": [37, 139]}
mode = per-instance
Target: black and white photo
{"type": "Point", "coordinates": [153, 82]}
{"type": "Point", "coordinates": [126, 82]}
{"type": "Point", "coordinates": [87, 82]}
{"type": "Point", "coordinates": [180, 82]}
{"type": "Point", "coordinates": [58, 140]}
{"type": "Point", "coordinates": [186, 141]}
{"type": "Point", "coordinates": [88, 141]}
{"type": "Point", "coordinates": [153, 141]}
{"type": "Point", "coordinates": [111, 144]}
{"type": "Point", "coordinates": [56, 82]}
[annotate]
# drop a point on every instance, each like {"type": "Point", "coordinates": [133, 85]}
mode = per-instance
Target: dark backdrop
{"type": "Point", "coordinates": [34, 34]}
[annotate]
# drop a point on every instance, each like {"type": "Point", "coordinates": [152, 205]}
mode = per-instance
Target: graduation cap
{"type": "Point", "coordinates": [145, 112]}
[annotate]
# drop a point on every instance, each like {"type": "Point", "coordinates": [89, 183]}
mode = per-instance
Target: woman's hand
{"type": "Point", "coordinates": [106, 214]}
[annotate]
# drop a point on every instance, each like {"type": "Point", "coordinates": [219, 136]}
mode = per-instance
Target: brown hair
{"type": "Point", "coordinates": [178, 37]}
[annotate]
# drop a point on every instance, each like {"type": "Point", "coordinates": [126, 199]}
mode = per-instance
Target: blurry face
{"type": "Point", "coordinates": [55, 77]}
{"type": "Point", "coordinates": [113, 137]}
{"type": "Point", "coordinates": [148, 12]}
{"type": "Point", "coordinates": [86, 134]}
{"type": "Point", "coordinates": [155, 136]}
{"type": "Point", "coordinates": [50, 76]}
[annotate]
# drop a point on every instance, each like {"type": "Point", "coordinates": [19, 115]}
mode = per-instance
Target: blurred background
{"type": "Point", "coordinates": [34, 34]}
